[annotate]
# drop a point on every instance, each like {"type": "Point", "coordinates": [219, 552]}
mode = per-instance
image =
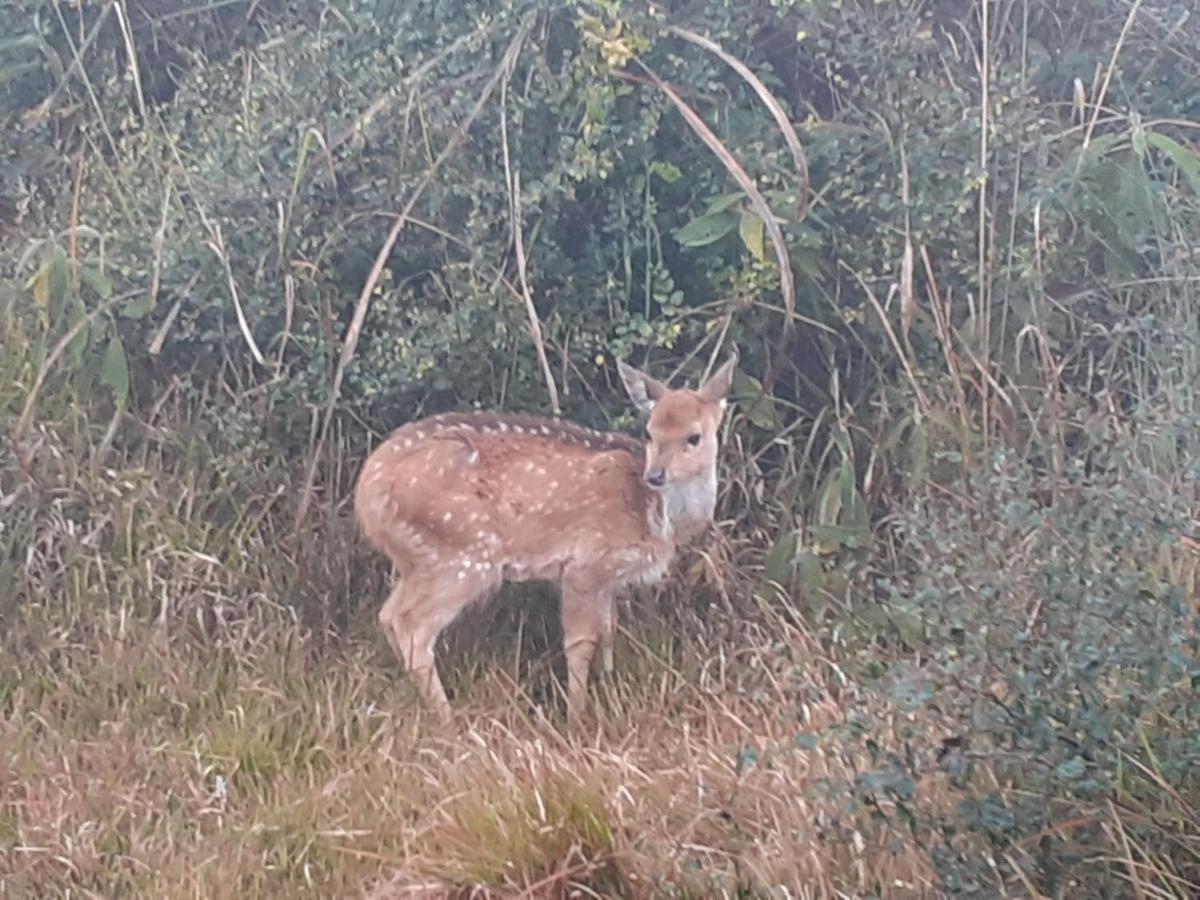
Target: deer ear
{"type": "Point", "coordinates": [716, 389]}
{"type": "Point", "coordinates": [643, 390]}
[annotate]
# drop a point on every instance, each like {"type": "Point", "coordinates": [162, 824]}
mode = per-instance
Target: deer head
{"type": "Point", "coordinates": [681, 426]}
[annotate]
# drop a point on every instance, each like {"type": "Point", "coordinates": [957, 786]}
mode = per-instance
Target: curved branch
{"type": "Point", "coordinates": [757, 200]}
{"type": "Point", "coordinates": [776, 109]}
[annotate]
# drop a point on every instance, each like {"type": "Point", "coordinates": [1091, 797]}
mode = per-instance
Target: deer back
{"type": "Point", "coordinates": [513, 497]}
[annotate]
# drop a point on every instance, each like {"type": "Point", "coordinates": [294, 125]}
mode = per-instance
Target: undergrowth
{"type": "Point", "coordinates": [183, 715]}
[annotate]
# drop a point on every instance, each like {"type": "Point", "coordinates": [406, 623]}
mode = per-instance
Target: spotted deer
{"type": "Point", "coordinates": [461, 502]}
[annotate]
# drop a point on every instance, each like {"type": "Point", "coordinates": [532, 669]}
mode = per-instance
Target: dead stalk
{"type": "Point", "coordinates": [773, 105]}
{"type": "Point", "coordinates": [745, 182]}
{"type": "Point", "coordinates": [512, 178]}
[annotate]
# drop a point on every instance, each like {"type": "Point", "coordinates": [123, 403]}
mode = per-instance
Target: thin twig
{"type": "Point", "coordinates": [891, 333]}
{"type": "Point", "coordinates": [1112, 65]}
{"type": "Point", "coordinates": [42, 109]}
{"type": "Point", "coordinates": [420, 72]}
{"type": "Point", "coordinates": [364, 298]}
{"type": "Point", "coordinates": [217, 245]}
{"type": "Point", "coordinates": [513, 180]}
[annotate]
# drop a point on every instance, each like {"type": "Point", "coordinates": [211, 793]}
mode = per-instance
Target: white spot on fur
{"type": "Point", "coordinates": [448, 516]}
{"type": "Point", "coordinates": [407, 443]}
{"type": "Point", "coordinates": [420, 435]}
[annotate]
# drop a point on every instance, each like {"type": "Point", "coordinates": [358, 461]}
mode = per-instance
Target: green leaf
{"type": "Point", "coordinates": [777, 566]}
{"type": "Point", "coordinates": [40, 285]}
{"type": "Point", "coordinates": [114, 369]}
{"type": "Point", "coordinates": [832, 537]}
{"type": "Point", "coordinates": [751, 230]}
{"type": "Point", "coordinates": [58, 277]}
{"type": "Point", "coordinates": [909, 626]}
{"type": "Point", "coordinates": [97, 281]}
{"type": "Point", "coordinates": [1184, 159]}
{"type": "Point", "coordinates": [811, 573]}
{"type": "Point", "coordinates": [137, 307]}
{"type": "Point", "coordinates": [79, 344]}
{"type": "Point", "coordinates": [667, 171]}
{"type": "Point", "coordinates": [722, 202]}
{"type": "Point", "coordinates": [705, 230]}
{"type": "Point", "coordinates": [757, 405]}
{"type": "Point", "coordinates": [16, 70]}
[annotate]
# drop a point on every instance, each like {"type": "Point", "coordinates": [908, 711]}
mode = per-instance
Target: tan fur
{"type": "Point", "coordinates": [464, 502]}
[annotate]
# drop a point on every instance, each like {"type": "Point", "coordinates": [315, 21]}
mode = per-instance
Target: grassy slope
{"type": "Point", "coordinates": [172, 728]}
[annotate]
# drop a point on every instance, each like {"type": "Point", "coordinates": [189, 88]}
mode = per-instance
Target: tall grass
{"type": "Point", "coordinates": [181, 717]}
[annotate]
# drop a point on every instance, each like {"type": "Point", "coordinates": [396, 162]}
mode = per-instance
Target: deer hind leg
{"type": "Point", "coordinates": [416, 612]}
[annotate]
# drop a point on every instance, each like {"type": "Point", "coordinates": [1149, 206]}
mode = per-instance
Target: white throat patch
{"type": "Point", "coordinates": [688, 506]}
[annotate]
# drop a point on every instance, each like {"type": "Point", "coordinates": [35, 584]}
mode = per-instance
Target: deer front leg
{"type": "Point", "coordinates": [607, 636]}
{"type": "Point", "coordinates": [586, 615]}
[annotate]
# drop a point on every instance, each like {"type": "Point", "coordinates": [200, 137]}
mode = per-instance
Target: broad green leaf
{"type": "Point", "coordinates": [908, 625]}
{"type": "Point", "coordinates": [808, 262]}
{"type": "Point", "coordinates": [114, 369]}
{"type": "Point", "coordinates": [1184, 159]}
{"type": "Point", "coordinates": [811, 573]}
{"type": "Point", "coordinates": [778, 565]}
{"type": "Point", "coordinates": [16, 70]}
{"type": "Point", "coordinates": [137, 307]}
{"type": "Point", "coordinates": [918, 456]}
{"type": "Point", "coordinates": [722, 202]}
{"type": "Point", "coordinates": [1138, 136]}
{"type": "Point", "coordinates": [79, 344]}
{"type": "Point", "coordinates": [751, 230]}
{"type": "Point", "coordinates": [705, 230]}
{"type": "Point", "coordinates": [59, 277]}
{"type": "Point", "coordinates": [667, 171]}
{"type": "Point", "coordinates": [832, 537]}
{"type": "Point", "coordinates": [97, 281]}
{"type": "Point", "coordinates": [757, 405]}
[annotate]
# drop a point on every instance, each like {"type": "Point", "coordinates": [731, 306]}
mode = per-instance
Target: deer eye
{"type": "Point", "coordinates": [693, 440]}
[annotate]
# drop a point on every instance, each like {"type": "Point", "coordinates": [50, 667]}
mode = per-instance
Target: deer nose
{"type": "Point", "coordinates": [656, 477]}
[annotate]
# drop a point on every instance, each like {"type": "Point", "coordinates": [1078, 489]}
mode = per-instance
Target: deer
{"type": "Point", "coordinates": [464, 502]}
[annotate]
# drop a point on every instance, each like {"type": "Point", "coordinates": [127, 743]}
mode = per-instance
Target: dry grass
{"type": "Point", "coordinates": [258, 766]}
{"type": "Point", "coordinates": [170, 727]}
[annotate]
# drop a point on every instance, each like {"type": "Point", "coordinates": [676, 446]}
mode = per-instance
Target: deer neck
{"type": "Point", "coordinates": [687, 506]}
